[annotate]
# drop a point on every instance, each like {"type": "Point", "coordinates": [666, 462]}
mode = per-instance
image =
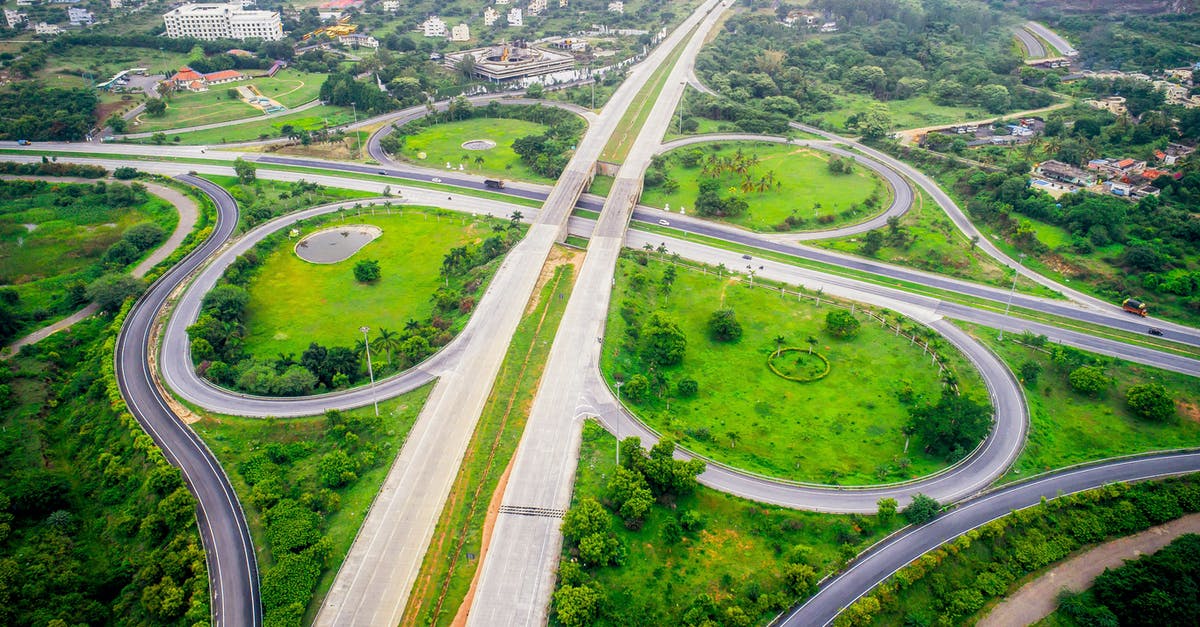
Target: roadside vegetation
{"type": "Point", "coordinates": [452, 561]}
{"type": "Point", "coordinates": [646, 545]}
{"type": "Point", "coordinates": [280, 326]}
{"type": "Point", "coordinates": [223, 103]}
{"type": "Point", "coordinates": [951, 584]}
{"type": "Point", "coordinates": [1085, 406]}
{"type": "Point", "coordinates": [765, 186]}
{"type": "Point", "coordinates": [542, 137]}
{"type": "Point", "coordinates": [56, 239]}
{"type": "Point", "coordinates": [312, 125]}
{"type": "Point", "coordinates": [755, 379]}
{"type": "Point", "coordinates": [306, 484]}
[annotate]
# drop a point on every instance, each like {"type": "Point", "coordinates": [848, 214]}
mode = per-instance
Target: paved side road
{"type": "Point", "coordinates": [1038, 598]}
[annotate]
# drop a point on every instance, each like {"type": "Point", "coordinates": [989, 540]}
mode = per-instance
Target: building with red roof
{"type": "Point", "coordinates": [191, 80]}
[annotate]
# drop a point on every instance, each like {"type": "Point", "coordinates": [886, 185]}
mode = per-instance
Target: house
{"type": "Point", "coordinates": [616, 7]}
{"type": "Point", "coordinates": [391, 6]}
{"type": "Point", "coordinates": [801, 18]}
{"type": "Point", "coordinates": [80, 17]}
{"type": "Point", "coordinates": [433, 26]}
{"type": "Point", "coordinates": [1113, 104]}
{"type": "Point", "coordinates": [43, 28]}
{"type": "Point", "coordinates": [1173, 153]}
{"type": "Point", "coordinates": [115, 4]}
{"type": "Point", "coordinates": [358, 40]}
{"type": "Point", "coordinates": [829, 27]}
{"type": "Point", "coordinates": [501, 2]}
{"type": "Point", "coordinates": [1064, 173]}
{"type": "Point", "coordinates": [516, 17]}
{"type": "Point", "coordinates": [1129, 166]}
{"type": "Point", "coordinates": [24, 3]}
{"type": "Point", "coordinates": [15, 18]}
{"type": "Point", "coordinates": [191, 80]}
{"type": "Point", "coordinates": [536, 7]}
{"type": "Point", "coordinates": [1117, 188]}
{"type": "Point", "coordinates": [490, 16]}
{"type": "Point", "coordinates": [462, 32]}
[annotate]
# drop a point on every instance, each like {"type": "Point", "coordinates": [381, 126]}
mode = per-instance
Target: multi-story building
{"type": "Point", "coordinates": [516, 17]}
{"type": "Point", "coordinates": [43, 28]}
{"type": "Point", "coordinates": [391, 6]}
{"type": "Point", "coordinates": [433, 26]}
{"type": "Point", "coordinates": [15, 18]}
{"type": "Point", "coordinates": [490, 16]}
{"type": "Point", "coordinates": [222, 21]}
{"type": "Point", "coordinates": [536, 7]}
{"type": "Point", "coordinates": [462, 32]}
{"type": "Point", "coordinates": [80, 17]}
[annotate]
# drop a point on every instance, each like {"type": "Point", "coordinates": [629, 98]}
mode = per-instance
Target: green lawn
{"type": "Point", "coordinates": [309, 119]}
{"type": "Point", "coordinates": [909, 113]}
{"type": "Point", "coordinates": [446, 574]}
{"type": "Point", "coordinates": [295, 447]}
{"type": "Point", "coordinates": [844, 428]}
{"type": "Point", "coordinates": [806, 188]}
{"type": "Point", "coordinates": [1067, 427]}
{"type": "Point", "coordinates": [736, 559]}
{"type": "Point", "coordinates": [293, 302]}
{"type": "Point", "coordinates": [442, 144]}
{"type": "Point", "coordinates": [289, 87]}
{"type": "Point", "coordinates": [55, 235]}
{"type": "Point", "coordinates": [102, 62]}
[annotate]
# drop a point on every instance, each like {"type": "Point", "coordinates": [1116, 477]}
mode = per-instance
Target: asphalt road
{"type": "Point", "coordinates": [1033, 46]}
{"type": "Point", "coordinates": [232, 566]}
{"type": "Point", "coordinates": [1054, 38]}
{"type": "Point", "coordinates": [881, 561]}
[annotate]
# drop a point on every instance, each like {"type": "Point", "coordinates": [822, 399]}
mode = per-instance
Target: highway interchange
{"type": "Point", "coordinates": [518, 575]}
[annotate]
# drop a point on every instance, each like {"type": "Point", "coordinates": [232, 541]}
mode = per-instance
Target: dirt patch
{"type": "Point", "coordinates": [559, 256]}
{"type": "Point", "coordinates": [340, 150]}
{"type": "Point", "coordinates": [489, 523]}
{"type": "Point", "coordinates": [1190, 410]}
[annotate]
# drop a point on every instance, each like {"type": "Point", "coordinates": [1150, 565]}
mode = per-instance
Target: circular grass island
{"type": "Point", "coordinates": [844, 427]}
{"type": "Point", "coordinates": [303, 287]}
{"type": "Point", "coordinates": [490, 152]}
{"type": "Point", "coordinates": [785, 187]}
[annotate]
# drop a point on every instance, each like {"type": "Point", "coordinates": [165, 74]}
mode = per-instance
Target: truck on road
{"type": "Point", "coordinates": [493, 184]}
{"type": "Point", "coordinates": [1134, 306]}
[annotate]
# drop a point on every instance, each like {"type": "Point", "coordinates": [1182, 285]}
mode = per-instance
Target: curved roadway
{"type": "Point", "coordinates": [232, 566]}
{"type": "Point", "coordinates": [1033, 46]}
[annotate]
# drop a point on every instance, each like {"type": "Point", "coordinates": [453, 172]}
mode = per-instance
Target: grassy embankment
{"type": "Point", "coordinates": [313, 119]}
{"type": "Point", "coordinates": [806, 188]}
{"type": "Point", "coordinates": [442, 144]}
{"type": "Point", "coordinates": [844, 428]}
{"type": "Point", "coordinates": [451, 563]}
{"type": "Point", "coordinates": [291, 88]}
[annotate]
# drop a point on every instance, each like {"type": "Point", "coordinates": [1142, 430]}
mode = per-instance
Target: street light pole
{"type": "Point", "coordinates": [370, 369]}
{"type": "Point", "coordinates": [682, 105]}
{"type": "Point", "coordinates": [617, 433]}
{"type": "Point", "coordinates": [1008, 305]}
{"type": "Point", "coordinates": [357, 141]}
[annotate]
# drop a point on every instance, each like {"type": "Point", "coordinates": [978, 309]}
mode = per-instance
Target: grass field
{"type": "Point", "coordinates": [289, 87]}
{"type": "Point", "coordinates": [843, 428]}
{"type": "Point", "coordinates": [1067, 427]}
{"type": "Point", "coordinates": [293, 302]}
{"type": "Point", "coordinates": [264, 128]}
{"type": "Point", "coordinates": [102, 62]}
{"type": "Point", "coordinates": [806, 189]}
{"type": "Point", "coordinates": [736, 559]}
{"type": "Point", "coordinates": [909, 113]}
{"type": "Point", "coordinates": [447, 571]}
{"type": "Point", "coordinates": [236, 440]}
{"type": "Point", "coordinates": [55, 237]}
{"type": "Point", "coordinates": [442, 144]}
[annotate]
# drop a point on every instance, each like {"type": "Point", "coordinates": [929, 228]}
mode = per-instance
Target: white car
{"type": "Point", "coordinates": [664, 223]}
{"type": "Point", "coordinates": [436, 180]}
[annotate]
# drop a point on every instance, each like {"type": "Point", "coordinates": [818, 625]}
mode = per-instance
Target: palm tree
{"type": "Point", "coordinates": [812, 342]}
{"type": "Point", "coordinates": [412, 325]}
{"type": "Point", "coordinates": [720, 269]}
{"type": "Point", "coordinates": [360, 350]}
{"type": "Point", "coordinates": [479, 162]}
{"type": "Point", "coordinates": [387, 341]}
{"type": "Point", "coordinates": [779, 340]}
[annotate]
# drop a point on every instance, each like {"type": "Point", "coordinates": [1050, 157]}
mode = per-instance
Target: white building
{"type": "Point", "coordinates": [80, 17]}
{"type": "Point", "coordinates": [358, 40]}
{"type": "Point", "coordinates": [499, 2]}
{"type": "Point", "coordinates": [24, 3]}
{"type": "Point", "coordinates": [222, 21]}
{"type": "Point", "coordinates": [537, 7]}
{"type": "Point", "coordinates": [115, 4]}
{"type": "Point", "coordinates": [616, 7]}
{"type": "Point", "coordinates": [391, 6]}
{"type": "Point", "coordinates": [15, 18]}
{"type": "Point", "coordinates": [462, 32]}
{"type": "Point", "coordinates": [490, 16]}
{"type": "Point", "coordinates": [515, 17]}
{"type": "Point", "coordinates": [433, 26]}
{"type": "Point", "coordinates": [43, 28]}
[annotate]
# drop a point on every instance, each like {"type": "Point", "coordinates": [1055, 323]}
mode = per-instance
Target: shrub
{"type": "Point", "coordinates": [1089, 380]}
{"type": "Point", "coordinates": [841, 323]}
{"type": "Point", "coordinates": [921, 510]}
{"type": "Point", "coordinates": [687, 387]}
{"type": "Point", "coordinates": [145, 236]}
{"type": "Point", "coordinates": [366, 271]}
{"type": "Point", "coordinates": [723, 326]}
{"type": "Point", "coordinates": [1150, 401]}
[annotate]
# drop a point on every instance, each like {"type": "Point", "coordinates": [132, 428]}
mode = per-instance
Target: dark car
{"type": "Point", "coordinates": [745, 256]}
{"type": "Point", "coordinates": [1155, 331]}
{"type": "Point", "coordinates": [383, 172]}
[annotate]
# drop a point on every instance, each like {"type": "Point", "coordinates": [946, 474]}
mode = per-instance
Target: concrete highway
{"type": "Point", "coordinates": [881, 561]}
{"type": "Point", "coordinates": [1033, 46]}
{"type": "Point", "coordinates": [229, 551]}
{"type": "Point", "coordinates": [1064, 47]}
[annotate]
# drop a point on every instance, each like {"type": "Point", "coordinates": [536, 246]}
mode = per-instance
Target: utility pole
{"type": "Point", "coordinates": [617, 433]}
{"type": "Point", "coordinates": [370, 369]}
{"type": "Point", "coordinates": [357, 141]}
{"type": "Point", "coordinates": [1016, 273]}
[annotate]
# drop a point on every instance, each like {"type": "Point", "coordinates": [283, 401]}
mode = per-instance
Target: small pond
{"type": "Point", "coordinates": [336, 244]}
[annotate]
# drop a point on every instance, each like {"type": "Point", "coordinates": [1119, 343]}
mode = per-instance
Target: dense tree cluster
{"type": "Point", "coordinates": [1156, 589]}
{"type": "Point", "coordinates": [952, 427]}
{"type": "Point", "coordinates": [31, 111]}
{"type": "Point", "coordinates": [342, 89]}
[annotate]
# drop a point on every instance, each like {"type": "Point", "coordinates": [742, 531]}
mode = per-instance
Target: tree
{"type": "Point", "coordinates": [1150, 401]}
{"type": "Point", "coordinates": [145, 236]}
{"type": "Point", "coordinates": [336, 469]}
{"type": "Point", "coordinates": [872, 242]}
{"type": "Point", "coordinates": [631, 496]}
{"type": "Point", "coordinates": [159, 138]}
{"type": "Point", "coordinates": [366, 271]}
{"type": "Point", "coordinates": [1029, 372]}
{"type": "Point", "coordinates": [1089, 380]}
{"type": "Point", "coordinates": [155, 108]}
{"type": "Point", "coordinates": [995, 98]}
{"type": "Point", "coordinates": [585, 519]}
{"type": "Point", "coordinates": [387, 342]}
{"type": "Point", "coordinates": [921, 510]}
{"type": "Point", "coordinates": [246, 171]}
{"type": "Point", "coordinates": [576, 606]}
{"type": "Point", "coordinates": [687, 387]}
{"type": "Point", "coordinates": [636, 388]}
{"type": "Point", "coordinates": [800, 578]}
{"type": "Point", "coordinates": [663, 342]}
{"type": "Point", "coordinates": [117, 123]}
{"type": "Point", "coordinates": [952, 427]}
{"type": "Point", "coordinates": [872, 123]}
{"type": "Point", "coordinates": [723, 326]}
{"type": "Point", "coordinates": [110, 291]}
{"type": "Point", "coordinates": [887, 509]}
{"type": "Point", "coordinates": [535, 90]}
{"type": "Point", "coordinates": [841, 323]}
{"type": "Point", "coordinates": [226, 302]}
